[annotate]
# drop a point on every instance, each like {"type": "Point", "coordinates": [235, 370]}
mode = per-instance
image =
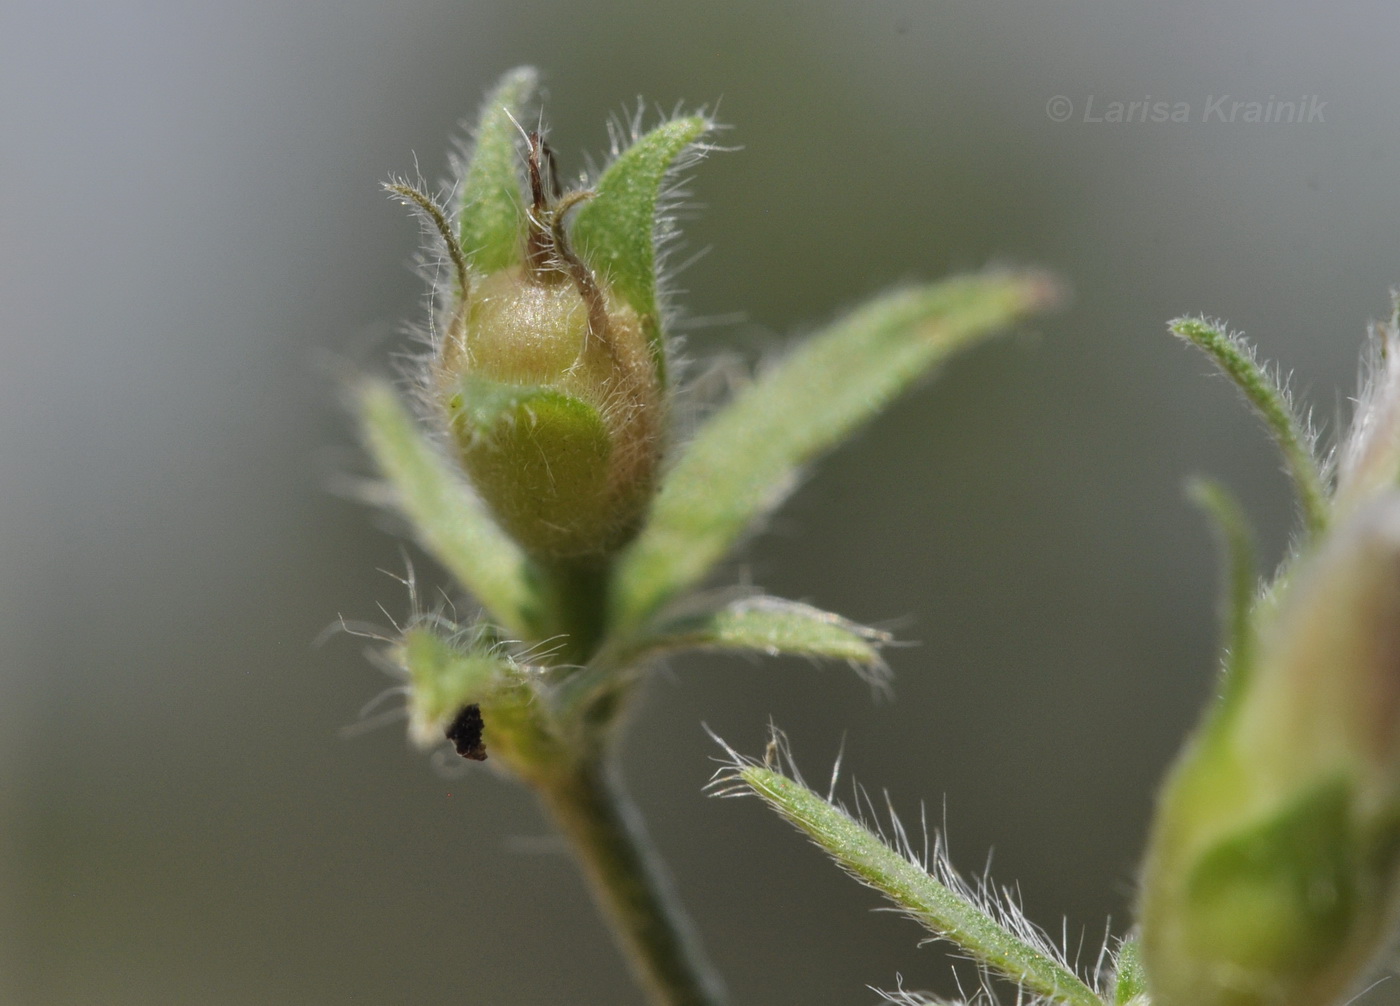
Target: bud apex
{"type": "Point", "coordinates": [1272, 873]}
{"type": "Point", "coordinates": [1370, 456]}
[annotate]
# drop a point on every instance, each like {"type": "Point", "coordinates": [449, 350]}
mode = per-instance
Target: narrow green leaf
{"type": "Point", "coordinates": [491, 211]}
{"type": "Point", "coordinates": [745, 458]}
{"type": "Point", "coordinates": [616, 232]}
{"type": "Point", "coordinates": [1271, 401]}
{"type": "Point", "coordinates": [1241, 580]}
{"type": "Point", "coordinates": [768, 625]}
{"type": "Point", "coordinates": [948, 913]}
{"type": "Point", "coordinates": [1129, 979]}
{"type": "Point", "coordinates": [450, 521]}
{"type": "Point", "coordinates": [773, 626]}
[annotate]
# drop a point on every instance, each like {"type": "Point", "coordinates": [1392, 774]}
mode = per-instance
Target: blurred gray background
{"type": "Point", "coordinates": [193, 243]}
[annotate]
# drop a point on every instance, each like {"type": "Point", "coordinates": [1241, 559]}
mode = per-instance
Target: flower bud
{"type": "Point", "coordinates": [1274, 865]}
{"type": "Point", "coordinates": [552, 392]}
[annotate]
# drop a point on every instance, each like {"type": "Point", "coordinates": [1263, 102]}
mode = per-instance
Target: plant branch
{"type": "Point", "coordinates": [575, 593]}
{"type": "Point", "coordinates": [631, 885]}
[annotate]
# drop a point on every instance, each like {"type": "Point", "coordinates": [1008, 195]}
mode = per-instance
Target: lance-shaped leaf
{"type": "Point", "coordinates": [491, 211]}
{"type": "Point", "coordinates": [994, 935]}
{"type": "Point", "coordinates": [745, 459]}
{"type": "Point", "coordinates": [617, 231]}
{"type": "Point", "coordinates": [451, 522]}
{"type": "Point", "coordinates": [768, 625]}
{"type": "Point", "coordinates": [1241, 581]}
{"type": "Point", "coordinates": [773, 626]}
{"type": "Point", "coordinates": [1129, 978]}
{"type": "Point", "coordinates": [1269, 396]}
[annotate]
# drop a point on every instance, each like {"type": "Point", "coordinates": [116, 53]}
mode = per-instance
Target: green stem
{"type": "Point", "coordinates": [576, 599]}
{"type": "Point", "coordinates": [631, 886]}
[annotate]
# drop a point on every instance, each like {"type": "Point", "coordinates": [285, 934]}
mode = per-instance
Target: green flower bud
{"type": "Point", "coordinates": [1273, 869]}
{"type": "Point", "coordinates": [552, 391]}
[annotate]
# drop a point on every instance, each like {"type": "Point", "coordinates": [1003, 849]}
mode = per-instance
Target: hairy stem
{"type": "Point", "coordinates": [576, 599]}
{"type": "Point", "coordinates": [631, 885]}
